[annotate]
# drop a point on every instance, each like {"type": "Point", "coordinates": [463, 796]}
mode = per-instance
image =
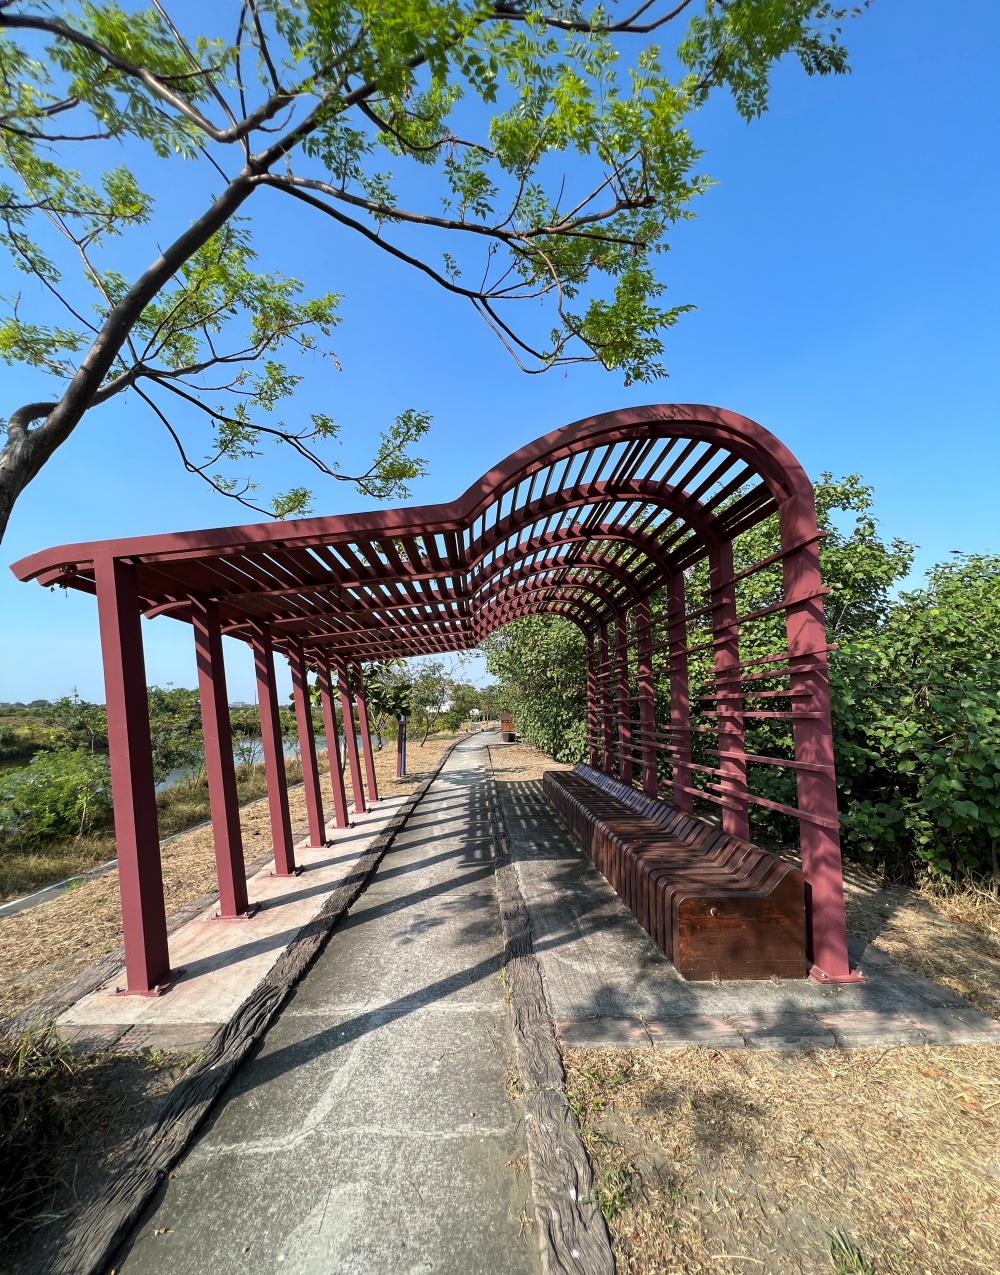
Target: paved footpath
{"type": "Point", "coordinates": [372, 1132]}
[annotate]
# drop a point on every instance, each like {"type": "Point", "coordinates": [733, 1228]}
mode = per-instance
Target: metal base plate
{"type": "Point", "coordinates": [252, 910]}
{"type": "Point", "coordinates": [854, 976]}
{"type": "Point", "coordinates": [159, 990]}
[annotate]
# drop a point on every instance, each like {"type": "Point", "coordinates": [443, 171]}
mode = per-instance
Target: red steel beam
{"type": "Point", "coordinates": [274, 753]}
{"type": "Point", "coordinates": [220, 769]}
{"type": "Point", "coordinates": [332, 744]}
{"type": "Point", "coordinates": [307, 746]}
{"type": "Point", "coordinates": [137, 837]}
{"type": "Point", "coordinates": [366, 739]}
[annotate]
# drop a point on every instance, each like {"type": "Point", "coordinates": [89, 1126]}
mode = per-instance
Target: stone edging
{"type": "Point", "coordinates": [572, 1236]}
{"type": "Point", "coordinates": [89, 1248]}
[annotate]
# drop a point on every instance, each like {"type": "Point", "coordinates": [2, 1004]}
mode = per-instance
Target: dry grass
{"type": "Point", "coordinates": [734, 1161]}
{"type": "Point", "coordinates": [102, 1102]}
{"type": "Point", "coordinates": [49, 944]}
{"type": "Point", "coordinates": [952, 938]}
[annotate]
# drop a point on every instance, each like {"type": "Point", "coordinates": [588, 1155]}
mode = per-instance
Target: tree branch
{"type": "Point", "coordinates": [157, 85]}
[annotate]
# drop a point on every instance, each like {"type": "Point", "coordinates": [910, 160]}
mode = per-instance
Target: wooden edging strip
{"type": "Point", "coordinates": [571, 1232]}
{"type": "Point", "coordinates": [89, 1248]}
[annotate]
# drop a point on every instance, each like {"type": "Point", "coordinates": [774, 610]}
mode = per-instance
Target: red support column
{"type": "Point", "coordinates": [728, 690]}
{"type": "Point", "coordinates": [604, 700]}
{"type": "Point", "coordinates": [680, 704]}
{"type": "Point", "coordinates": [307, 746]}
{"type": "Point", "coordinates": [220, 769]}
{"type": "Point", "coordinates": [147, 961]}
{"type": "Point", "coordinates": [812, 734]}
{"type": "Point", "coordinates": [274, 753]}
{"type": "Point", "coordinates": [647, 704]}
{"type": "Point", "coordinates": [332, 744]}
{"type": "Point", "coordinates": [366, 739]}
{"type": "Point", "coordinates": [592, 756]}
{"type": "Point", "coordinates": [624, 702]}
{"type": "Point", "coordinates": [351, 739]}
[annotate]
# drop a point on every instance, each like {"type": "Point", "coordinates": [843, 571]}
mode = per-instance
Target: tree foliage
{"type": "Point", "coordinates": [540, 666]}
{"type": "Point", "coordinates": [914, 681]}
{"type": "Point", "coordinates": [507, 152]}
{"type": "Point", "coordinates": [388, 694]}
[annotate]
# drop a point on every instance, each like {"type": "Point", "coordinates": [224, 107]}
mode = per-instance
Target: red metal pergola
{"type": "Point", "coordinates": [593, 522]}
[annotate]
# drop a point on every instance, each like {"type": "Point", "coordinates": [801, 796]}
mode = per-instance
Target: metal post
{"type": "Point", "coordinates": [624, 702]}
{"type": "Point", "coordinates": [729, 692]}
{"type": "Point", "coordinates": [351, 738]}
{"type": "Point", "coordinates": [604, 700]}
{"type": "Point", "coordinates": [591, 704]}
{"type": "Point", "coordinates": [647, 704]}
{"type": "Point", "coordinates": [307, 746]}
{"type": "Point", "coordinates": [220, 768]}
{"type": "Point", "coordinates": [144, 924]}
{"type": "Point", "coordinates": [812, 733]}
{"type": "Point", "coordinates": [401, 749]}
{"type": "Point", "coordinates": [274, 753]}
{"type": "Point", "coordinates": [332, 744]}
{"type": "Point", "coordinates": [680, 704]}
{"type": "Point", "coordinates": [366, 739]}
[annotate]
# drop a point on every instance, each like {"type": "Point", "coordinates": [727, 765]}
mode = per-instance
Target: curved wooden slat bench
{"type": "Point", "coordinates": [717, 906]}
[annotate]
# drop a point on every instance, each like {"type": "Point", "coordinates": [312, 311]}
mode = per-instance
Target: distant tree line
{"type": "Point", "coordinates": [62, 788]}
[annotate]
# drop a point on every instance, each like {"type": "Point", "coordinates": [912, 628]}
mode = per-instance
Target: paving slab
{"type": "Point", "coordinates": [223, 961]}
{"type": "Point", "coordinates": [603, 973]}
{"type": "Point", "coordinates": [373, 1132]}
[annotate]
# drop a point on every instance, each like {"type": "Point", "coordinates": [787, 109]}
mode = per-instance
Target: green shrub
{"type": "Point", "coordinates": [56, 795]}
{"type": "Point", "coordinates": [917, 726]}
{"type": "Point", "coordinates": [540, 666]}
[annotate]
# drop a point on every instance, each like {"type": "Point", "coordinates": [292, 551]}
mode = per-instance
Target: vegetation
{"type": "Point", "coordinates": [540, 666]}
{"type": "Point", "coordinates": [915, 685]}
{"type": "Point", "coordinates": [548, 142]}
{"type": "Point", "coordinates": [36, 1111]}
{"type": "Point", "coordinates": [56, 811]}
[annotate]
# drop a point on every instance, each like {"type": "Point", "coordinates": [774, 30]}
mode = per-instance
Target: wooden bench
{"type": "Point", "coordinates": [717, 906]}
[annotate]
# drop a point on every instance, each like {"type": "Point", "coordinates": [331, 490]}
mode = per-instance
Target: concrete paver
{"type": "Point", "coordinates": [223, 961]}
{"type": "Point", "coordinates": [372, 1132]}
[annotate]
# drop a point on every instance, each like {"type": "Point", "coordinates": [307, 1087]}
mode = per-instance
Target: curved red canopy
{"type": "Point", "coordinates": [588, 522]}
{"type": "Point", "coordinates": [583, 522]}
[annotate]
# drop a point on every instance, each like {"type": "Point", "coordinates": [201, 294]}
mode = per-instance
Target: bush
{"type": "Point", "coordinates": [56, 795]}
{"type": "Point", "coordinates": [540, 666]}
{"type": "Point", "coordinates": [917, 727]}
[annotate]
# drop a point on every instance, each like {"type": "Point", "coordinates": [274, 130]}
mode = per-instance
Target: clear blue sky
{"type": "Point", "coordinates": [845, 269]}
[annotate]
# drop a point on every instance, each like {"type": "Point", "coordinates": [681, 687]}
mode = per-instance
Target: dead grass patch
{"type": "Point", "coordinates": [102, 1102]}
{"type": "Point", "coordinates": [952, 938]}
{"type": "Point", "coordinates": [731, 1161]}
{"type": "Point", "coordinates": [47, 945]}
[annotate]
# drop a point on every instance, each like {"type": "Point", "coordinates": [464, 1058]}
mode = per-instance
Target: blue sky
{"type": "Point", "coordinates": [845, 270]}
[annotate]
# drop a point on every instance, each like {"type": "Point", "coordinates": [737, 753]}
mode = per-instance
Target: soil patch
{"type": "Point", "coordinates": [733, 1161]}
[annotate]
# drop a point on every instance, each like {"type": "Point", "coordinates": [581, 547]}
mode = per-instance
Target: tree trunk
{"type": "Point", "coordinates": [27, 450]}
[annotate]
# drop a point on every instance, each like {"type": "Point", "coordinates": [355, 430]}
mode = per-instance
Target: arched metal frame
{"type": "Point", "coordinates": [589, 522]}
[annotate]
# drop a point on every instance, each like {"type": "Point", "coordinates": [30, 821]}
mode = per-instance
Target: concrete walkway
{"type": "Point", "coordinates": [373, 1131]}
